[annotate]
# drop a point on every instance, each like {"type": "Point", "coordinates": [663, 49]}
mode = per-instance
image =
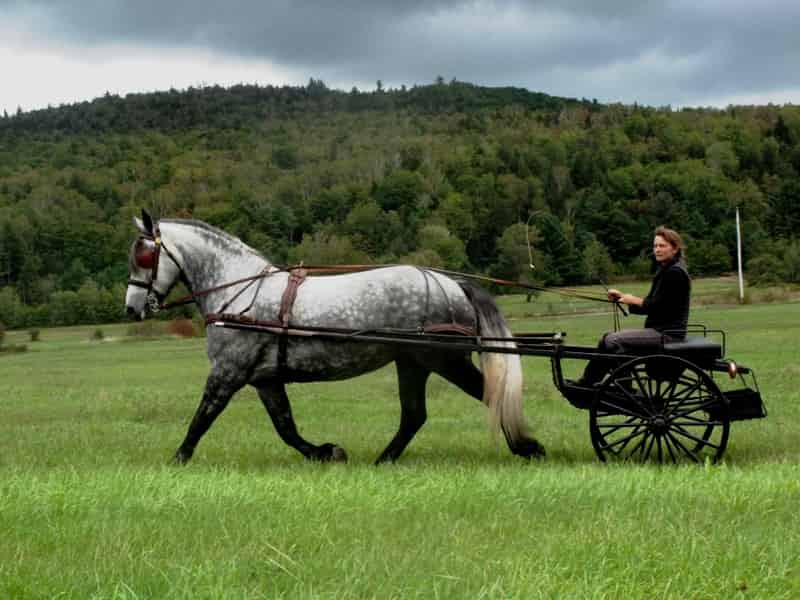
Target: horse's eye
{"type": "Point", "coordinates": [144, 255]}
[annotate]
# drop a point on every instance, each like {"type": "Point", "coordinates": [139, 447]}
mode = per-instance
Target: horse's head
{"type": "Point", "coordinates": [151, 276]}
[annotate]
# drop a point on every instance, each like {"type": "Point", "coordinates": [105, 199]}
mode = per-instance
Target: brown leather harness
{"type": "Point", "coordinates": [283, 327]}
{"type": "Point", "coordinates": [297, 276]}
{"type": "Point", "coordinates": [147, 254]}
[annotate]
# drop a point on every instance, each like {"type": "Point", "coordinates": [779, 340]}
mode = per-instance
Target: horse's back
{"type": "Point", "coordinates": [394, 297]}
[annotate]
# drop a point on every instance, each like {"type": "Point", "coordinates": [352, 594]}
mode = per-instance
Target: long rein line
{"type": "Point", "coordinates": [568, 292]}
{"type": "Point", "coordinates": [343, 269]}
{"type": "Point", "coordinates": [193, 296]}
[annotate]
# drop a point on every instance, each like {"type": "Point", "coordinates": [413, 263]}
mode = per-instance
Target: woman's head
{"type": "Point", "coordinates": [667, 244]}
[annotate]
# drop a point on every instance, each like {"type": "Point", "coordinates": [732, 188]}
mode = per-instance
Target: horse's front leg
{"type": "Point", "coordinates": [218, 392]}
{"type": "Point", "coordinates": [273, 396]}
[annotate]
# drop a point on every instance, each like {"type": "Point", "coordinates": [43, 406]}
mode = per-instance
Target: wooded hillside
{"type": "Point", "coordinates": [447, 174]}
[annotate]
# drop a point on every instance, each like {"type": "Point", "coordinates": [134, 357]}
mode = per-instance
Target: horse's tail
{"type": "Point", "coordinates": [502, 373]}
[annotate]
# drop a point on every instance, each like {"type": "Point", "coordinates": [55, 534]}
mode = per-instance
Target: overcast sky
{"type": "Point", "coordinates": [676, 52]}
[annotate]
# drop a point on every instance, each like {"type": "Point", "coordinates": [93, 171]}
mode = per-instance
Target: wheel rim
{"type": "Point", "coordinates": [659, 409]}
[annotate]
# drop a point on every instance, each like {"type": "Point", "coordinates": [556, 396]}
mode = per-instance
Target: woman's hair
{"type": "Point", "coordinates": [674, 239]}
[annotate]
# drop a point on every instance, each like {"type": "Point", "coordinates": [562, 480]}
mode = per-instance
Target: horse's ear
{"type": "Point", "coordinates": [148, 222]}
{"type": "Point", "coordinates": [140, 226]}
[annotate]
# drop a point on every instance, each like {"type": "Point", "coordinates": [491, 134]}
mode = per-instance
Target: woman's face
{"type": "Point", "coordinates": [663, 250]}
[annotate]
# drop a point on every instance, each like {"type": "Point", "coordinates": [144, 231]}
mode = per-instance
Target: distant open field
{"type": "Point", "coordinates": [90, 508]}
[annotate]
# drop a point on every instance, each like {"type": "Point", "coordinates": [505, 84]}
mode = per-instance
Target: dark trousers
{"type": "Point", "coordinates": [627, 341]}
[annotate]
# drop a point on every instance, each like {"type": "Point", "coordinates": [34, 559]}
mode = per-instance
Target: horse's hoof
{"type": "Point", "coordinates": [331, 453]}
{"type": "Point", "coordinates": [338, 454]}
{"type": "Point", "coordinates": [181, 458]}
{"type": "Point", "coordinates": [530, 449]}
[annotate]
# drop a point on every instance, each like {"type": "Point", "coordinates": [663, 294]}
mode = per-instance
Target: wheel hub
{"type": "Point", "coordinates": [658, 424]}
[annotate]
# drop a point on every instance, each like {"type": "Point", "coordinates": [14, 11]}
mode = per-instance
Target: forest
{"type": "Point", "coordinates": [449, 174]}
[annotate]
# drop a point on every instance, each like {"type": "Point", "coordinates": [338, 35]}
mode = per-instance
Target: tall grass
{"type": "Point", "coordinates": [89, 506]}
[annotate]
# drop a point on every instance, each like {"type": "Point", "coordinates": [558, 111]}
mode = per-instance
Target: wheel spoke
{"type": "Point", "coordinates": [640, 445]}
{"type": "Point", "coordinates": [669, 449]}
{"type": "Point", "coordinates": [642, 387]}
{"type": "Point", "coordinates": [620, 409]}
{"type": "Point", "coordinates": [613, 427]}
{"type": "Point", "coordinates": [692, 404]}
{"type": "Point", "coordinates": [683, 397]}
{"type": "Point", "coordinates": [691, 436]}
{"type": "Point", "coordinates": [698, 422]}
{"type": "Point", "coordinates": [643, 431]}
{"type": "Point", "coordinates": [636, 401]}
{"type": "Point", "coordinates": [687, 379]}
{"type": "Point", "coordinates": [652, 387]}
{"type": "Point", "coordinates": [624, 440]}
{"type": "Point", "coordinates": [670, 391]}
{"type": "Point", "coordinates": [703, 406]}
{"type": "Point", "coordinates": [685, 450]}
{"type": "Point", "coordinates": [649, 448]}
{"type": "Point", "coordinates": [660, 450]}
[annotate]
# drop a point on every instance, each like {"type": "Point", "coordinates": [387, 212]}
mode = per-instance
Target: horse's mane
{"type": "Point", "coordinates": [227, 237]}
{"type": "Point", "coordinates": [202, 225]}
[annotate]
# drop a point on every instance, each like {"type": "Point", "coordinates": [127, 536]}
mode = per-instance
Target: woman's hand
{"type": "Point", "coordinates": [630, 299]}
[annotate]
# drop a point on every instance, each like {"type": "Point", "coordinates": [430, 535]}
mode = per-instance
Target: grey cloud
{"type": "Point", "coordinates": [658, 52]}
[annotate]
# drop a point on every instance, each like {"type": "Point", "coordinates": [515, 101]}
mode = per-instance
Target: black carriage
{"type": "Point", "coordinates": [676, 403]}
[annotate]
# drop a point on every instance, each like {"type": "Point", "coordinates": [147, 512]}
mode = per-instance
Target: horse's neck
{"type": "Point", "coordinates": [209, 259]}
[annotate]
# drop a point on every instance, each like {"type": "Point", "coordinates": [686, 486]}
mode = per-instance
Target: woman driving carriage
{"type": "Point", "coordinates": [666, 306]}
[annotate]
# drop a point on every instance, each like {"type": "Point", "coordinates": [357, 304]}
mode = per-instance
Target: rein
{"type": "Point", "coordinates": [297, 274]}
{"type": "Point", "coordinates": [570, 292]}
{"type": "Point", "coordinates": [191, 298]}
{"type": "Point", "coordinates": [343, 269]}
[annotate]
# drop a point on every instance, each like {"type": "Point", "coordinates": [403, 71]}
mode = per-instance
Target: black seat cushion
{"type": "Point", "coordinates": [695, 349]}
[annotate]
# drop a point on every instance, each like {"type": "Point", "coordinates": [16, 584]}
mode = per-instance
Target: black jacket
{"type": "Point", "coordinates": [667, 303]}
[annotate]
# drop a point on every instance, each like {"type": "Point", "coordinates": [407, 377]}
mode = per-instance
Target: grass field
{"type": "Point", "coordinates": [89, 507]}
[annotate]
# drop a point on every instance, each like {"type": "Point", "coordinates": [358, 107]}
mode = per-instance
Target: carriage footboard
{"type": "Point", "coordinates": [745, 404]}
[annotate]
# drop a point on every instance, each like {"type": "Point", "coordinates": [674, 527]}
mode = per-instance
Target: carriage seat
{"type": "Point", "coordinates": [696, 349]}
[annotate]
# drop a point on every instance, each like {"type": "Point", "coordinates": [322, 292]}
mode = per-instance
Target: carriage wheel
{"type": "Point", "coordinates": [659, 408]}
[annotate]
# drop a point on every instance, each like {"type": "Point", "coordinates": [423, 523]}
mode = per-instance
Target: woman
{"type": "Point", "coordinates": [666, 307]}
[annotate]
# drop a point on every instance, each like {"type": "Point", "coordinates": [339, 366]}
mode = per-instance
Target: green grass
{"type": "Point", "coordinates": [89, 507]}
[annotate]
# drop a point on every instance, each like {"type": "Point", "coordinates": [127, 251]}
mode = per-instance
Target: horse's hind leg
{"type": "Point", "coordinates": [460, 371]}
{"type": "Point", "coordinates": [411, 378]}
{"type": "Point", "coordinates": [218, 392]}
{"type": "Point", "coordinates": [273, 396]}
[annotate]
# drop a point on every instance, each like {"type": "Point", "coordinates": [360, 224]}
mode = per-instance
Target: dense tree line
{"type": "Point", "coordinates": [449, 174]}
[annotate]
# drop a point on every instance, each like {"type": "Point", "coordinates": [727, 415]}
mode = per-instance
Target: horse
{"type": "Point", "coordinates": [207, 260]}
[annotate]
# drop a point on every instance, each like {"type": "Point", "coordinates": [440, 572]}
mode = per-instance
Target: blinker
{"type": "Point", "coordinates": [145, 254]}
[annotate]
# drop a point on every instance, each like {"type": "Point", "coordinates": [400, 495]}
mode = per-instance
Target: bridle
{"type": "Point", "coordinates": [147, 255]}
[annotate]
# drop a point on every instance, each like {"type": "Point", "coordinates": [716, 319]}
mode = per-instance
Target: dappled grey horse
{"type": "Point", "coordinates": [207, 260]}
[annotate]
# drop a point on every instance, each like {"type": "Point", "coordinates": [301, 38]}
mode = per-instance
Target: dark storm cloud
{"type": "Point", "coordinates": [675, 51]}
{"type": "Point", "coordinates": [298, 32]}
